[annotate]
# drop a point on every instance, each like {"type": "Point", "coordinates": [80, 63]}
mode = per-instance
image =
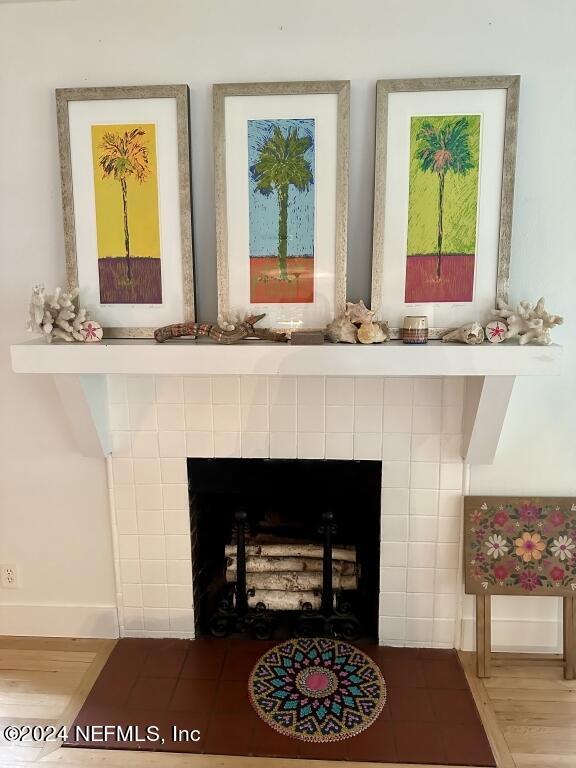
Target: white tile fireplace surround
{"type": "Point", "coordinates": [413, 425]}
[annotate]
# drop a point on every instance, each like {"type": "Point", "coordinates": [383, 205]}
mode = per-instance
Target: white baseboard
{"type": "Point", "coordinates": [517, 635]}
{"type": "Point", "coordinates": [528, 636]}
{"type": "Point", "coordinates": [59, 620]}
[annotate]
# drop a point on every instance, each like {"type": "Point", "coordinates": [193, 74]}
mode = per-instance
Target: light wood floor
{"type": "Point", "coordinates": [528, 710]}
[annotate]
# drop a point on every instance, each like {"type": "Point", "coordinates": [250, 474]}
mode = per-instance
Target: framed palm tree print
{"type": "Point", "coordinates": [125, 164]}
{"type": "Point", "coordinates": [444, 185]}
{"type": "Point", "coordinates": [281, 163]}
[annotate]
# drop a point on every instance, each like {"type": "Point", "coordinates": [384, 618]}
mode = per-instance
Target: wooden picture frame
{"type": "Point", "coordinates": [141, 175]}
{"type": "Point", "coordinates": [308, 288]}
{"type": "Point", "coordinates": [409, 239]}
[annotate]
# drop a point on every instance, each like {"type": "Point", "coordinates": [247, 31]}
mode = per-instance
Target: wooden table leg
{"type": "Point", "coordinates": [483, 635]}
{"type": "Point", "coordinates": [569, 638]}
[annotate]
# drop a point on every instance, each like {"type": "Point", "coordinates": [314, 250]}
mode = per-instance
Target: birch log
{"type": "Point", "coordinates": [295, 581]}
{"type": "Point", "coordinates": [279, 564]}
{"type": "Point", "coordinates": [284, 601]}
{"type": "Point", "coordinates": [293, 550]}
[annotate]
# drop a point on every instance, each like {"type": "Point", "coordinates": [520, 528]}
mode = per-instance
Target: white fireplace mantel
{"type": "Point", "coordinates": [80, 370]}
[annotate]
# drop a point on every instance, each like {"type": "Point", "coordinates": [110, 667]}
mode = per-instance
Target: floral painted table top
{"type": "Point", "coordinates": [520, 545]}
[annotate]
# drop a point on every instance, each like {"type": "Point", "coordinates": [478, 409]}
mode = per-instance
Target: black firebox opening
{"type": "Point", "coordinates": [284, 501]}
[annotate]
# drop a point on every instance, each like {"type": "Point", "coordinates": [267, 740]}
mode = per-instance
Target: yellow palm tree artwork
{"type": "Point", "coordinates": [127, 217]}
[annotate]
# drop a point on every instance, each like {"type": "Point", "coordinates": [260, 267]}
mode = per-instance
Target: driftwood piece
{"type": "Point", "coordinates": [284, 601]}
{"type": "Point", "coordinates": [280, 564]}
{"type": "Point", "coordinates": [294, 581]}
{"type": "Point", "coordinates": [229, 334]}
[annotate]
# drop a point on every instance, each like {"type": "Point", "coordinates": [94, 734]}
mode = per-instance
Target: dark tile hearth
{"type": "Point", "coordinates": [429, 717]}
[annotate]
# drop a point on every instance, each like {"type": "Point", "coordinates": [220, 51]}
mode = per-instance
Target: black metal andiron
{"type": "Point", "coordinates": [335, 617]}
{"type": "Point", "coordinates": [233, 614]}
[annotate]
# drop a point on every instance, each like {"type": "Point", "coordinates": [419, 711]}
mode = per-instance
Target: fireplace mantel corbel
{"type": "Point", "coordinates": [79, 372]}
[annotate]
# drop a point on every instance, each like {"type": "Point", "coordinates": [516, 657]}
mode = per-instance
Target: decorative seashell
{"type": "Point", "coordinates": [496, 331]}
{"type": "Point", "coordinates": [91, 331]}
{"type": "Point", "coordinates": [371, 333]}
{"type": "Point", "coordinates": [341, 329]}
{"type": "Point", "coordinates": [358, 313]}
{"type": "Point", "coordinates": [227, 322]}
{"type": "Point", "coordinates": [471, 333]}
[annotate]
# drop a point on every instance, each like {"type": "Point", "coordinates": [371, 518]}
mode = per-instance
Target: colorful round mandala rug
{"type": "Point", "coordinates": [317, 689]}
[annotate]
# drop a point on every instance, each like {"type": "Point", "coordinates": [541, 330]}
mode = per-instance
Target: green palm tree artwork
{"type": "Point", "coordinates": [281, 210]}
{"type": "Point", "coordinates": [125, 170]}
{"type": "Point", "coordinates": [442, 208]}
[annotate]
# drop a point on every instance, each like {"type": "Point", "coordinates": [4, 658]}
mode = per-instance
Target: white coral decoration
{"type": "Point", "coordinates": [528, 322]}
{"type": "Point", "coordinates": [496, 546]}
{"type": "Point", "coordinates": [56, 315]}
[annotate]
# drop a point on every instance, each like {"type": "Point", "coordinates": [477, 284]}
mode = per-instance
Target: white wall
{"type": "Point", "coordinates": [53, 513]}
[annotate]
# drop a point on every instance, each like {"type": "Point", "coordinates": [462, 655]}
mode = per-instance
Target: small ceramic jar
{"type": "Point", "coordinates": [415, 330]}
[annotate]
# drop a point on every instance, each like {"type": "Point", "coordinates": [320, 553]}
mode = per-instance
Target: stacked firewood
{"type": "Point", "coordinates": [286, 576]}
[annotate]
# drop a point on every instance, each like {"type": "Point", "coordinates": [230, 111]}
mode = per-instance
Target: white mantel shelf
{"type": "Point", "coordinates": [201, 358]}
{"type": "Point", "coordinates": [79, 372]}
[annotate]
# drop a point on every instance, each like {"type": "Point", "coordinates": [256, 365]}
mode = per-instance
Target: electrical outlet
{"type": "Point", "coordinates": [8, 576]}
